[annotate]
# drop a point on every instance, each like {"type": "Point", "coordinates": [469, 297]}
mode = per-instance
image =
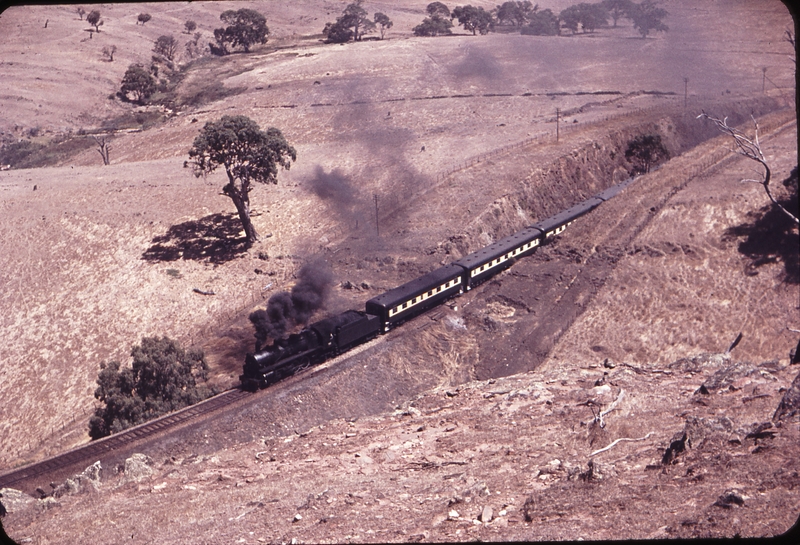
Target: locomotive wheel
{"type": "Point", "coordinates": [305, 363]}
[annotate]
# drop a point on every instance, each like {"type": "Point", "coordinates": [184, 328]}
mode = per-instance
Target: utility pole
{"type": "Point", "coordinates": [558, 113]}
{"type": "Point", "coordinates": [685, 91]}
{"type": "Point", "coordinates": [377, 226]}
{"type": "Point", "coordinates": [764, 79]}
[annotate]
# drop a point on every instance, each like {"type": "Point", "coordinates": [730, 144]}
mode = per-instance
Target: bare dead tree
{"type": "Point", "coordinates": [108, 51]}
{"type": "Point", "coordinates": [750, 148]}
{"type": "Point", "coordinates": [103, 149]}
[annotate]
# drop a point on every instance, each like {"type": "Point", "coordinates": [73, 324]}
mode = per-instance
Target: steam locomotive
{"type": "Point", "coordinates": [327, 338]}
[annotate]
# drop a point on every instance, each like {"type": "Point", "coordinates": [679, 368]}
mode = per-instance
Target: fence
{"type": "Point", "coordinates": [226, 316]}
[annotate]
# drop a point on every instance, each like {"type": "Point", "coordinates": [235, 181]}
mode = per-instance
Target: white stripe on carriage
{"type": "Point", "coordinates": [502, 259]}
{"type": "Point", "coordinates": [420, 298]}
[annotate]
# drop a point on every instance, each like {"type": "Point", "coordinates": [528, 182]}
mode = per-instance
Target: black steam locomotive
{"type": "Point", "coordinates": [332, 336]}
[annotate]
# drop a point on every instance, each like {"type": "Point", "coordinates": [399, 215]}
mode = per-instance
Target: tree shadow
{"type": "Point", "coordinates": [214, 238]}
{"type": "Point", "coordinates": [770, 236]}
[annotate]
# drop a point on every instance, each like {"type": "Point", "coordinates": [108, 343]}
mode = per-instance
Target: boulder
{"type": "Point", "coordinates": [86, 481]}
{"type": "Point", "coordinates": [138, 467]}
{"type": "Point", "coordinates": [15, 500]}
{"type": "Point", "coordinates": [789, 407]}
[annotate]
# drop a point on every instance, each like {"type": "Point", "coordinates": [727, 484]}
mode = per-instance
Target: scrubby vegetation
{"type": "Point", "coordinates": [351, 25]}
{"type": "Point", "coordinates": [33, 154]}
{"type": "Point", "coordinates": [645, 151]}
{"type": "Point", "coordinates": [162, 378]}
{"type": "Point", "coordinates": [137, 84]}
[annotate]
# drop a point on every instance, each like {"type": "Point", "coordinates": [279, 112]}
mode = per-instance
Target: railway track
{"type": "Point", "coordinates": [96, 449]}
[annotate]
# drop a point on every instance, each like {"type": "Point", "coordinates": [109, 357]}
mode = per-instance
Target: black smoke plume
{"type": "Point", "coordinates": [286, 310]}
{"type": "Point", "coordinates": [478, 63]}
{"type": "Point", "coordinates": [334, 187]}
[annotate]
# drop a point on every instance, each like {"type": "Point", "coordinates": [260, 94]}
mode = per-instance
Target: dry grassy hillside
{"type": "Point", "coordinates": [83, 278]}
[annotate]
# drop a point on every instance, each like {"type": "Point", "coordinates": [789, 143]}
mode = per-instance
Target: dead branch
{"type": "Point", "coordinates": [598, 417]}
{"type": "Point", "coordinates": [750, 148]}
{"type": "Point", "coordinates": [612, 445]}
{"type": "Point", "coordinates": [203, 292]}
{"type": "Point", "coordinates": [103, 150]}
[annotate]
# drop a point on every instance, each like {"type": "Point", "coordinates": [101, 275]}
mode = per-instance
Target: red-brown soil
{"type": "Point", "coordinates": [85, 280]}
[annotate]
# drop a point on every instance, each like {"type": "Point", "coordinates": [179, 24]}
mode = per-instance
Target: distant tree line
{"type": "Point", "coordinates": [354, 23]}
{"type": "Point", "coordinates": [584, 17]}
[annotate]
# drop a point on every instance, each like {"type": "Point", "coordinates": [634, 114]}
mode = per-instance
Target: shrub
{"type": "Point", "coordinates": [17, 153]}
{"type": "Point", "coordinates": [433, 26]}
{"type": "Point", "coordinates": [138, 82]}
{"type": "Point", "coordinates": [542, 23]}
{"type": "Point", "coordinates": [645, 151]}
{"type": "Point", "coordinates": [163, 377]}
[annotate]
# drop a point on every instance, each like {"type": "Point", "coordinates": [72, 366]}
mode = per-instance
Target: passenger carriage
{"type": "Point", "coordinates": [412, 298]}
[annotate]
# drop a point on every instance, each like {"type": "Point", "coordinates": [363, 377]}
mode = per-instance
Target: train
{"type": "Point", "coordinates": [332, 336]}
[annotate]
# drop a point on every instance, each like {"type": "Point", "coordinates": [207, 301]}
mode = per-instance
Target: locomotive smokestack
{"type": "Point", "coordinates": [286, 310]}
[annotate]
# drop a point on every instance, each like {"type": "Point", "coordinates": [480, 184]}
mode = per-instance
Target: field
{"type": "Point", "coordinates": [454, 139]}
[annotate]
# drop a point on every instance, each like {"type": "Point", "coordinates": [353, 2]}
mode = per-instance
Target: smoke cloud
{"type": "Point", "coordinates": [286, 310]}
{"type": "Point", "coordinates": [478, 63]}
{"type": "Point", "coordinates": [334, 187]}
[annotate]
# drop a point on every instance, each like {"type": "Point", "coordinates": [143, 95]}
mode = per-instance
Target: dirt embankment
{"type": "Point", "coordinates": [587, 170]}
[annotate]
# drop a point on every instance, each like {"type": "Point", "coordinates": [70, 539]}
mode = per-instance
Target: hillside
{"type": "Point", "coordinates": [456, 139]}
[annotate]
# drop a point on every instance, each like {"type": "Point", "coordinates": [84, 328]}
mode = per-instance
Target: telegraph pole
{"type": "Point", "coordinates": [558, 113]}
{"type": "Point", "coordinates": [377, 226]}
{"type": "Point", "coordinates": [685, 91]}
{"type": "Point", "coordinates": [764, 79]}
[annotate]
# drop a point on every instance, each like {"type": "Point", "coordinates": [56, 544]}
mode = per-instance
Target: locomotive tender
{"type": "Point", "coordinates": [332, 336]}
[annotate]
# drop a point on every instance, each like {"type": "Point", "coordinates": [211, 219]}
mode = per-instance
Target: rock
{"type": "Point", "coordinates": [138, 467]}
{"type": "Point", "coordinates": [93, 471]}
{"type": "Point", "coordinates": [486, 514]}
{"type": "Point", "coordinates": [297, 518]}
{"type": "Point", "coordinates": [453, 514]}
{"type": "Point", "coordinates": [700, 363]}
{"type": "Point", "coordinates": [15, 500]}
{"type": "Point", "coordinates": [676, 446]}
{"type": "Point", "coordinates": [789, 406]}
{"type": "Point", "coordinates": [48, 503]}
{"type": "Point", "coordinates": [729, 499]}
{"type": "Point", "coordinates": [477, 489]}
{"type": "Point", "coordinates": [86, 481]}
{"type": "Point", "coordinates": [725, 377]}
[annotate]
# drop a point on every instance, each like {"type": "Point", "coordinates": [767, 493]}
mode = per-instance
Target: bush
{"type": "Point", "coordinates": [433, 26]}
{"type": "Point", "coordinates": [162, 378]}
{"type": "Point", "coordinates": [542, 23]}
{"type": "Point", "coordinates": [212, 93]}
{"type": "Point", "coordinates": [137, 82]}
{"type": "Point", "coordinates": [646, 151]}
{"type": "Point", "coordinates": [17, 153]}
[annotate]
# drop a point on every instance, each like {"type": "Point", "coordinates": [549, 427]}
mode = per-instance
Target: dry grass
{"type": "Point", "coordinates": [705, 295]}
{"type": "Point", "coordinates": [76, 289]}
